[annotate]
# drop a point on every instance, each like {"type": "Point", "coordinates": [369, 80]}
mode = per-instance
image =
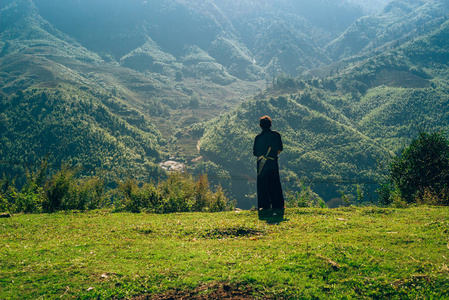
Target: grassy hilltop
{"type": "Point", "coordinates": [311, 253]}
{"type": "Point", "coordinates": [102, 92]}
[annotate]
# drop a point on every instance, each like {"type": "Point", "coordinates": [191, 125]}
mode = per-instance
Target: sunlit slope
{"type": "Point", "coordinates": [401, 113]}
{"type": "Point", "coordinates": [337, 127]}
{"type": "Point", "coordinates": [71, 125]}
{"type": "Point", "coordinates": [316, 146]}
{"type": "Point", "coordinates": [403, 91]}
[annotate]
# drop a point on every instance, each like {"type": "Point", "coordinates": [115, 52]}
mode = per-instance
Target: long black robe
{"type": "Point", "coordinates": [269, 190]}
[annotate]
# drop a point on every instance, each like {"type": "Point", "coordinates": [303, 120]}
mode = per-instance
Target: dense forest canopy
{"type": "Point", "coordinates": [126, 85]}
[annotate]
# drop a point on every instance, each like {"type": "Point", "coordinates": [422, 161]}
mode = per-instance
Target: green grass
{"type": "Point", "coordinates": [313, 253]}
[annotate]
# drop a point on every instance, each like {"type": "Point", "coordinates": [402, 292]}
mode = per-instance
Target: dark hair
{"type": "Point", "coordinates": [265, 122]}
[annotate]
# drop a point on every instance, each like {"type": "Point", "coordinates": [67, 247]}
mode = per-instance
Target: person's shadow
{"type": "Point", "coordinates": [272, 216]}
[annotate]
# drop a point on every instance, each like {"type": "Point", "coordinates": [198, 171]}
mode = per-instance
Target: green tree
{"type": "Point", "coordinates": [422, 169]}
{"type": "Point", "coordinates": [195, 101]}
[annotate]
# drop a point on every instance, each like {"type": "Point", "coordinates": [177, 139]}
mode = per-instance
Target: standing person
{"type": "Point", "coordinates": [267, 147]}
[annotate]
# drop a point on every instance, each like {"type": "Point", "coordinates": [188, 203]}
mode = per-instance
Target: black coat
{"type": "Point", "coordinates": [264, 140]}
{"type": "Point", "coordinates": [269, 190]}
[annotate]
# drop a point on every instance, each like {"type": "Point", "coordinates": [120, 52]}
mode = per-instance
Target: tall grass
{"type": "Point", "coordinates": [67, 190]}
{"type": "Point", "coordinates": [181, 192]}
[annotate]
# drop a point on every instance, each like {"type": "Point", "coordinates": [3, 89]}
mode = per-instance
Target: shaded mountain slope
{"type": "Point", "coordinates": [49, 107]}
{"type": "Point", "coordinates": [23, 30]}
{"type": "Point", "coordinates": [248, 39]}
{"type": "Point", "coordinates": [99, 113]}
{"type": "Point", "coordinates": [70, 125]}
{"type": "Point", "coordinates": [399, 21]}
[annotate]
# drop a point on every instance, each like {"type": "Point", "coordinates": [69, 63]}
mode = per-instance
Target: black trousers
{"type": "Point", "coordinates": [269, 190]}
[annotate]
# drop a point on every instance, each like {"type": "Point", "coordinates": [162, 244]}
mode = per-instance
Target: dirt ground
{"type": "Point", "coordinates": [217, 291]}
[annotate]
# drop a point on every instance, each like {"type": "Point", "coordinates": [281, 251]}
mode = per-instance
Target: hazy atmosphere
{"type": "Point", "coordinates": [127, 166]}
{"type": "Point", "coordinates": [142, 86]}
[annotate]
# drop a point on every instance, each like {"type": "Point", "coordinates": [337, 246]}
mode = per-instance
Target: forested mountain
{"type": "Point", "coordinates": [402, 90]}
{"type": "Point", "coordinates": [336, 129]}
{"type": "Point", "coordinates": [122, 84]}
{"type": "Point", "coordinates": [59, 98]}
{"type": "Point", "coordinates": [48, 108]}
{"type": "Point", "coordinates": [400, 21]}
{"type": "Point", "coordinates": [246, 39]}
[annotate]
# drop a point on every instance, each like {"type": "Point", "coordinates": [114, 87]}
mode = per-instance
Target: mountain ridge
{"type": "Point", "coordinates": [339, 131]}
{"type": "Point", "coordinates": [146, 89]}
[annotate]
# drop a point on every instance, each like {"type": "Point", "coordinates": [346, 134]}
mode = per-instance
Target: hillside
{"type": "Point", "coordinates": [308, 253]}
{"type": "Point", "coordinates": [71, 125]}
{"type": "Point", "coordinates": [336, 129]}
{"type": "Point", "coordinates": [80, 83]}
{"type": "Point", "coordinates": [49, 107]}
{"type": "Point", "coordinates": [249, 40]}
{"type": "Point", "coordinates": [61, 99]}
{"type": "Point", "coordinates": [397, 23]}
{"type": "Point", "coordinates": [321, 146]}
{"type": "Point", "coordinates": [127, 85]}
{"type": "Point", "coordinates": [401, 91]}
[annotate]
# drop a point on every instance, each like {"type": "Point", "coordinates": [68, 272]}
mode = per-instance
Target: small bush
{"type": "Point", "coordinates": [58, 191]}
{"type": "Point", "coordinates": [7, 192]}
{"type": "Point", "coordinates": [179, 193]}
{"type": "Point", "coordinates": [220, 202]}
{"type": "Point", "coordinates": [305, 197]}
{"type": "Point", "coordinates": [28, 201]}
{"type": "Point", "coordinates": [421, 173]}
{"type": "Point", "coordinates": [4, 205]}
{"type": "Point", "coordinates": [90, 192]}
{"type": "Point", "coordinates": [429, 196]}
{"type": "Point", "coordinates": [29, 198]}
{"type": "Point", "coordinates": [134, 199]}
{"type": "Point", "coordinates": [66, 192]}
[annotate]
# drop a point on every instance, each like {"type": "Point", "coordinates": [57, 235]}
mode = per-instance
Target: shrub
{"type": "Point", "coordinates": [428, 196]}
{"type": "Point", "coordinates": [421, 172]}
{"type": "Point", "coordinates": [179, 193]}
{"type": "Point", "coordinates": [29, 198]}
{"type": "Point", "coordinates": [7, 192]}
{"type": "Point", "coordinates": [134, 198]}
{"type": "Point", "coordinates": [219, 201]}
{"type": "Point", "coordinates": [129, 190]}
{"type": "Point", "coordinates": [305, 197]}
{"type": "Point", "coordinates": [201, 194]}
{"type": "Point", "coordinates": [90, 193]}
{"type": "Point", "coordinates": [4, 205]}
{"type": "Point", "coordinates": [57, 191]}
{"type": "Point", "coordinates": [65, 192]}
